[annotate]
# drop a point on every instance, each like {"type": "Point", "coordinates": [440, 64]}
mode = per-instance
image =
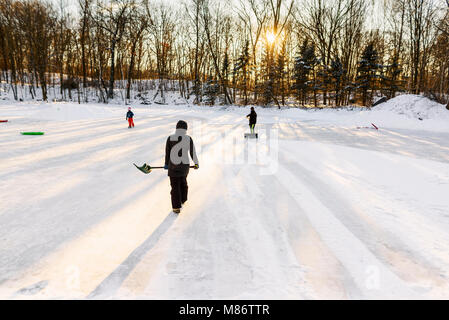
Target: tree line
{"type": "Point", "coordinates": [267, 52]}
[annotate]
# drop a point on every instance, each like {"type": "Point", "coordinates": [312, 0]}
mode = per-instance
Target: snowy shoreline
{"type": "Point", "coordinates": [403, 112]}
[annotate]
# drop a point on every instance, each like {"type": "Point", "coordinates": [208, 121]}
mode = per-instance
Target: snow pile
{"type": "Point", "coordinates": [402, 112]}
{"type": "Point", "coordinates": [415, 107]}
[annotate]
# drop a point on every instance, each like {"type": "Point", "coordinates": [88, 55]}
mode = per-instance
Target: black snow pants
{"type": "Point", "coordinates": [179, 189]}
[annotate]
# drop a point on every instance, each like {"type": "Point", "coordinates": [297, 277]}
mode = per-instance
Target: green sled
{"type": "Point", "coordinates": [32, 133]}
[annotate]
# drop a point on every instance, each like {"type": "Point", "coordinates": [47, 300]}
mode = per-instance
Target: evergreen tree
{"type": "Point", "coordinates": [321, 81]}
{"type": "Point", "coordinates": [337, 75]}
{"type": "Point", "coordinates": [241, 68]}
{"type": "Point", "coordinates": [367, 73]}
{"type": "Point", "coordinates": [281, 73]}
{"type": "Point", "coordinates": [303, 70]}
{"type": "Point", "coordinates": [211, 90]}
{"type": "Point", "coordinates": [268, 76]}
{"type": "Point", "coordinates": [392, 81]}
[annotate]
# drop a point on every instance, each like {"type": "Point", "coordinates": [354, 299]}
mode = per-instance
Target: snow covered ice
{"type": "Point", "coordinates": [342, 213]}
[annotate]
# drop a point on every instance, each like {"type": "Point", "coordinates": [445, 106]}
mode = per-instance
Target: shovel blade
{"type": "Point", "coordinates": [145, 168]}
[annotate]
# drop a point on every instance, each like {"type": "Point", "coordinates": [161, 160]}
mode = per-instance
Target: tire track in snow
{"type": "Point", "coordinates": [198, 262]}
{"type": "Point", "coordinates": [384, 140]}
{"type": "Point", "coordinates": [324, 276]}
{"type": "Point", "coordinates": [126, 279]}
{"type": "Point", "coordinates": [373, 278]}
{"type": "Point", "coordinates": [224, 248]}
{"type": "Point", "coordinates": [275, 271]}
{"type": "Point", "coordinates": [46, 229]}
{"type": "Point", "coordinates": [67, 147]}
{"type": "Point", "coordinates": [416, 263]}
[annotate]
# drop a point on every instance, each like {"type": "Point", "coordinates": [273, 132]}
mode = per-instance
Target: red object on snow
{"type": "Point", "coordinates": [373, 127]}
{"type": "Point", "coordinates": [130, 122]}
{"type": "Point", "coordinates": [3, 120]}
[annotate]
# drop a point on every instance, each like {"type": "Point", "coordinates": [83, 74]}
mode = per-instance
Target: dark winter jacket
{"type": "Point", "coordinates": [177, 150]}
{"type": "Point", "coordinates": [129, 115]}
{"type": "Point", "coordinates": [252, 117]}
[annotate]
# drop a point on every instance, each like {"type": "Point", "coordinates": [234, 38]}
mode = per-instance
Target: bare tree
{"type": "Point", "coordinates": [138, 24]}
{"type": "Point", "coordinates": [207, 24]}
{"type": "Point", "coordinates": [195, 18]}
{"type": "Point", "coordinates": [113, 17]}
{"type": "Point", "coordinates": [162, 32]}
{"type": "Point", "coordinates": [244, 50]}
{"type": "Point", "coordinates": [10, 42]}
{"type": "Point", "coordinates": [420, 15]}
{"type": "Point", "coordinates": [323, 20]}
{"type": "Point", "coordinates": [254, 19]}
{"type": "Point", "coordinates": [350, 45]}
{"type": "Point", "coordinates": [85, 6]}
{"type": "Point", "coordinates": [37, 23]}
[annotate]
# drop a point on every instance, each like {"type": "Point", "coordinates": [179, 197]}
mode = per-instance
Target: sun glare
{"type": "Point", "coordinates": [271, 38]}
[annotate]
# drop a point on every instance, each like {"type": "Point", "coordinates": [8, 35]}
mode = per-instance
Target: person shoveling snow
{"type": "Point", "coordinates": [177, 149]}
{"type": "Point", "coordinates": [252, 117]}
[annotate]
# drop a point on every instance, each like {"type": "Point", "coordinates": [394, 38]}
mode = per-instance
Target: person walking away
{"type": "Point", "coordinates": [252, 119]}
{"type": "Point", "coordinates": [177, 149]}
{"type": "Point", "coordinates": [129, 117]}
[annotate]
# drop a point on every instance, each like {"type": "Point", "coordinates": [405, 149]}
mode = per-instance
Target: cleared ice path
{"type": "Point", "coordinates": [347, 213]}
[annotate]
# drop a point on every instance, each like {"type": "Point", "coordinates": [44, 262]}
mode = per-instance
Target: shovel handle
{"type": "Point", "coordinates": [163, 167]}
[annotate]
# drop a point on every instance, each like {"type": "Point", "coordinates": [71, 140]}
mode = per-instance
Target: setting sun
{"type": "Point", "coordinates": [271, 37]}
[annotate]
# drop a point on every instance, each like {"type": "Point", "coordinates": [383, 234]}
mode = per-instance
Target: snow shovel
{"type": "Point", "coordinates": [251, 136]}
{"type": "Point", "coordinates": [147, 168]}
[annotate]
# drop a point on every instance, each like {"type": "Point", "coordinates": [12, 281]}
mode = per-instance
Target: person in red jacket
{"type": "Point", "coordinates": [129, 117]}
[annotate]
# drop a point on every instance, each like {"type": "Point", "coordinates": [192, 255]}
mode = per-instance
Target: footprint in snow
{"type": "Point", "coordinates": [34, 288]}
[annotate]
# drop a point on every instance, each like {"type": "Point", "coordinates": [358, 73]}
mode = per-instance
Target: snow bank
{"type": "Point", "coordinates": [415, 107]}
{"type": "Point", "coordinates": [412, 112]}
{"type": "Point", "coordinates": [402, 112]}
